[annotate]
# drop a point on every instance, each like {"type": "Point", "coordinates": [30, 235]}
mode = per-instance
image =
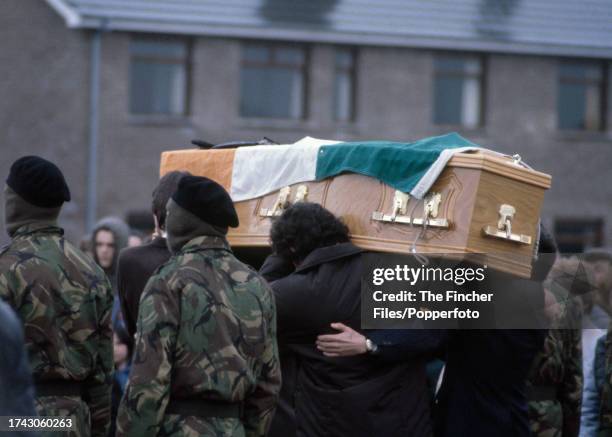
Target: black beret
{"type": "Point", "coordinates": [207, 200]}
{"type": "Point", "coordinates": [39, 182]}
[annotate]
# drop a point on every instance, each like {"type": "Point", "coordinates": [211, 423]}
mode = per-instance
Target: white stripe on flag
{"type": "Point", "coordinates": [260, 170]}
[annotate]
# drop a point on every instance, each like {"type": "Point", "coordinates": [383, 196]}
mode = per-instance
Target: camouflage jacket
{"type": "Point", "coordinates": [559, 367]}
{"type": "Point", "coordinates": [64, 301]}
{"type": "Point", "coordinates": [206, 330]}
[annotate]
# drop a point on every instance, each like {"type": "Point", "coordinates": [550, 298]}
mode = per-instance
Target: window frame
{"type": "Point", "coordinates": [597, 224]}
{"type": "Point", "coordinates": [482, 59]}
{"type": "Point", "coordinates": [602, 65]}
{"type": "Point", "coordinates": [186, 61]}
{"type": "Point", "coordinates": [304, 68]}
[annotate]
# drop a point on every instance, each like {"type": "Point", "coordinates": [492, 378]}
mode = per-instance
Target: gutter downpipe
{"type": "Point", "coordinates": [94, 99]}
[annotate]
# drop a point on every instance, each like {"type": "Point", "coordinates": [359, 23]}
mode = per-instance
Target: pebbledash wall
{"type": "Point", "coordinates": [44, 109]}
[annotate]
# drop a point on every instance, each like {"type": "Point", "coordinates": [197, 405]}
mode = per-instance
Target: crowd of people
{"type": "Point", "coordinates": [171, 334]}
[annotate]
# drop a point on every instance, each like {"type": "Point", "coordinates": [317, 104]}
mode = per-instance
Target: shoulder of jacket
{"type": "Point", "coordinates": [17, 245]}
{"type": "Point", "coordinates": [21, 250]}
{"type": "Point", "coordinates": [167, 270]}
{"type": "Point", "coordinates": [5, 249]}
{"type": "Point", "coordinates": [130, 255]}
{"type": "Point", "coordinates": [81, 259]}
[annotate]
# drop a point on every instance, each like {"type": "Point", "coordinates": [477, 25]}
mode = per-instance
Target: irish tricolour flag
{"type": "Point", "coordinates": [253, 171]}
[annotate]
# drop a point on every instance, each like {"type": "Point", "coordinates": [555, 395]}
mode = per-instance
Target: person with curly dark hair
{"type": "Point", "coordinates": [315, 272]}
{"type": "Point", "coordinates": [303, 228]}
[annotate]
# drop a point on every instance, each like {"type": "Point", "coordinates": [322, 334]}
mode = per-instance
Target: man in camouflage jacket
{"type": "Point", "coordinates": [558, 369]}
{"type": "Point", "coordinates": [62, 298]}
{"type": "Point", "coordinates": [206, 358]}
{"type": "Point", "coordinates": [555, 381]}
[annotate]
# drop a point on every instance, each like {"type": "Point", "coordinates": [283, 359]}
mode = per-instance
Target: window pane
{"type": "Point", "coordinates": [251, 53]}
{"type": "Point", "coordinates": [470, 103]}
{"type": "Point", "coordinates": [157, 88]}
{"type": "Point", "coordinates": [289, 56]}
{"type": "Point", "coordinates": [159, 49]}
{"type": "Point", "coordinates": [344, 84]}
{"type": "Point", "coordinates": [343, 99]}
{"type": "Point", "coordinates": [344, 59]}
{"type": "Point", "coordinates": [271, 92]}
{"type": "Point", "coordinates": [275, 87]}
{"type": "Point", "coordinates": [576, 235]}
{"type": "Point", "coordinates": [471, 66]}
{"type": "Point", "coordinates": [457, 90]}
{"type": "Point", "coordinates": [571, 106]}
{"type": "Point", "coordinates": [580, 72]}
{"type": "Point", "coordinates": [448, 100]}
{"type": "Point", "coordinates": [580, 93]}
{"type": "Point", "coordinates": [448, 65]}
{"type": "Point", "coordinates": [593, 108]}
{"type": "Point", "coordinates": [158, 76]}
{"type": "Point", "coordinates": [457, 65]}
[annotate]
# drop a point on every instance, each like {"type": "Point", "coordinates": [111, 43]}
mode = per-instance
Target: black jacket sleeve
{"type": "Point", "coordinates": [403, 344]}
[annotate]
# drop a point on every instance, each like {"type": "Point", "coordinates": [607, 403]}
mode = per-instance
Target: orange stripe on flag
{"type": "Point", "coordinates": [214, 164]}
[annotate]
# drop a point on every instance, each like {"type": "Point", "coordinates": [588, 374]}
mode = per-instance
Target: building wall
{"type": "Point", "coordinates": [44, 84]}
{"type": "Point", "coordinates": [394, 101]}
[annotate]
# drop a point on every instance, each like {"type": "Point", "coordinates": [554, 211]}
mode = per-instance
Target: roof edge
{"type": "Point", "coordinates": [302, 35]}
{"type": "Point", "coordinates": [69, 14]}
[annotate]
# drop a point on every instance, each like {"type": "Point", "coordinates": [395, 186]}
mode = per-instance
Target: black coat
{"type": "Point", "coordinates": [484, 386]}
{"type": "Point", "coordinates": [350, 396]}
{"type": "Point", "coordinates": [135, 266]}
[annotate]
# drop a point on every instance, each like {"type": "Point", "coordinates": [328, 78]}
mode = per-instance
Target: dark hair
{"type": "Point", "coordinates": [304, 227]}
{"type": "Point", "coordinates": [165, 189]}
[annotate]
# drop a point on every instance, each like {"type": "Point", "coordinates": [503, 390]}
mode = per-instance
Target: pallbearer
{"type": "Point", "coordinates": [206, 359]}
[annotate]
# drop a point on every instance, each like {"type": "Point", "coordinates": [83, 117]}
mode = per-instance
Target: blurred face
{"type": "Point", "coordinates": [120, 351]}
{"type": "Point", "coordinates": [105, 248]}
{"type": "Point", "coordinates": [602, 272]}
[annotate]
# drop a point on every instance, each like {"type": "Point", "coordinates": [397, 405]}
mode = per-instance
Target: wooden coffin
{"type": "Point", "coordinates": [483, 206]}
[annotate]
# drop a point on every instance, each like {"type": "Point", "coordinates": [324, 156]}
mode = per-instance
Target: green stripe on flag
{"type": "Point", "coordinates": [400, 165]}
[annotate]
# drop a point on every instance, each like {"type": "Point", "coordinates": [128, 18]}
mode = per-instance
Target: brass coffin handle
{"type": "Point", "coordinates": [282, 201]}
{"type": "Point", "coordinates": [302, 194]}
{"type": "Point", "coordinates": [503, 230]}
{"type": "Point", "coordinates": [431, 206]}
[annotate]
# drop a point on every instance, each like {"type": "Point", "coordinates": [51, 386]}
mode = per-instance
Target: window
{"type": "Point", "coordinates": [578, 235]}
{"type": "Point", "coordinates": [344, 85]}
{"type": "Point", "coordinates": [458, 90]}
{"type": "Point", "coordinates": [159, 76]}
{"type": "Point", "coordinates": [580, 103]}
{"type": "Point", "coordinates": [272, 81]}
